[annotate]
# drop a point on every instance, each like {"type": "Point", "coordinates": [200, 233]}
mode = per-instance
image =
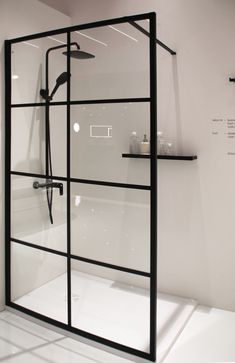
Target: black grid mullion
{"type": "Point", "coordinates": [68, 185]}
{"type": "Point", "coordinates": [84, 181]}
{"type": "Point", "coordinates": [83, 102]}
{"type": "Point", "coordinates": [153, 182]}
{"type": "Point", "coordinates": [96, 24]}
{"type": "Point", "coordinates": [81, 258]}
{"type": "Point", "coordinates": [82, 333]}
{"type": "Point", "coordinates": [7, 171]}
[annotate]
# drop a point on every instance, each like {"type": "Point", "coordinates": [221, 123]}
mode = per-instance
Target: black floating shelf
{"type": "Point", "coordinates": [165, 157]}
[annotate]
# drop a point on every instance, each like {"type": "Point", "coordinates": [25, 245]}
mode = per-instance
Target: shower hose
{"type": "Point", "coordinates": [49, 191]}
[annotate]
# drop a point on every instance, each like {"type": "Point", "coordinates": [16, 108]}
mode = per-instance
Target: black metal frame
{"type": "Point", "coordinates": [152, 188]}
{"type": "Point", "coordinates": [145, 32]}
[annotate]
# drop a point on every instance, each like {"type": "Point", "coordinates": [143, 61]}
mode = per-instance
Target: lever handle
{"type": "Point", "coordinates": [49, 184]}
{"type": "Point", "coordinates": [61, 187]}
{"type": "Point", "coordinates": [37, 185]}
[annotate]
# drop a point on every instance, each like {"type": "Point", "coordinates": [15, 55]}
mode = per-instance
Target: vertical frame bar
{"type": "Point", "coordinates": [7, 171]}
{"type": "Point", "coordinates": [47, 117]}
{"type": "Point", "coordinates": [68, 183]}
{"type": "Point", "coordinates": [153, 184]}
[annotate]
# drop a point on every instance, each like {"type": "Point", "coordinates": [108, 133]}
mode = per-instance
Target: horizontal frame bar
{"type": "Point", "coordinates": [111, 266]}
{"type": "Point", "coordinates": [111, 184]}
{"type": "Point", "coordinates": [145, 32]}
{"type": "Point", "coordinates": [39, 104]}
{"type": "Point", "coordinates": [38, 247]}
{"type": "Point", "coordinates": [82, 333]}
{"type": "Point", "coordinates": [136, 156]}
{"type": "Point", "coordinates": [82, 259]}
{"type": "Point", "coordinates": [96, 24]}
{"type": "Point", "coordinates": [84, 181]}
{"type": "Point", "coordinates": [83, 102]}
{"type": "Point", "coordinates": [35, 175]}
{"type": "Point", "coordinates": [178, 157]}
{"type": "Point", "coordinates": [162, 157]}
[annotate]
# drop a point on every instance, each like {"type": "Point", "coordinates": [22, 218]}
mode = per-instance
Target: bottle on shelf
{"type": "Point", "coordinates": [160, 143]}
{"type": "Point", "coordinates": [165, 146]}
{"type": "Point", "coordinates": [134, 143]}
{"type": "Point", "coordinates": [145, 145]}
{"type": "Point", "coordinates": [169, 148]}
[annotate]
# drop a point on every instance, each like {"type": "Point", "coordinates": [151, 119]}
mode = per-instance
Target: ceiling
{"type": "Point", "coordinates": [64, 6]}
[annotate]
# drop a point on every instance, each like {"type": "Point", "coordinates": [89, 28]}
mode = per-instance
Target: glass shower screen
{"type": "Point", "coordinates": [80, 209]}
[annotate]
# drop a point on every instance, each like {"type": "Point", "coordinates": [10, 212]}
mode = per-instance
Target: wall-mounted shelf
{"type": "Point", "coordinates": [165, 157]}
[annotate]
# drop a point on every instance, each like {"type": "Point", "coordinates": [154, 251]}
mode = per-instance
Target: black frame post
{"type": "Point", "coordinates": [68, 183]}
{"type": "Point", "coordinates": [153, 183]}
{"type": "Point", "coordinates": [7, 171]}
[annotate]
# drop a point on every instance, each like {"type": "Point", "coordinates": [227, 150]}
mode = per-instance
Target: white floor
{"type": "Point", "coordinates": [22, 341]}
{"type": "Point", "coordinates": [208, 337]}
{"type": "Point", "coordinates": [114, 311]}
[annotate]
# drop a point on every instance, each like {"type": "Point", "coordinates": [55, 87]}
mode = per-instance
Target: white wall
{"type": "Point", "coordinates": [18, 18]}
{"type": "Point", "coordinates": [196, 199]}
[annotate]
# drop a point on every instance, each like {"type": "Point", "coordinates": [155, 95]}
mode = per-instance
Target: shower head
{"type": "Point", "coordinates": [79, 54]}
{"type": "Point", "coordinates": [63, 78]}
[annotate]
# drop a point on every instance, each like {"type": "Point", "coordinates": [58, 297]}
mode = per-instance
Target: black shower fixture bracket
{"type": "Point", "coordinates": [145, 32]}
{"type": "Point", "coordinates": [231, 79]}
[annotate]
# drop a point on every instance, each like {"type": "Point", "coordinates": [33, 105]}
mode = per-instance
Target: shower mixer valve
{"type": "Point", "coordinates": [49, 184]}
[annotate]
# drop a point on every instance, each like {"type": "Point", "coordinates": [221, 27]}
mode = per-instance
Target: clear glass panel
{"type": "Point", "coordinates": [39, 281]}
{"type": "Point", "coordinates": [29, 214]}
{"type": "Point", "coordinates": [100, 134]}
{"type": "Point", "coordinates": [111, 304]}
{"type": "Point", "coordinates": [111, 225]}
{"type": "Point", "coordinates": [28, 139]}
{"type": "Point", "coordinates": [120, 68]}
{"type": "Point", "coordinates": [29, 68]}
{"type": "Point", "coordinates": [107, 224]}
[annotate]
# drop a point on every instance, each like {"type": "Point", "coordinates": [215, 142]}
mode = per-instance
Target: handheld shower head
{"type": "Point", "coordinates": [63, 78]}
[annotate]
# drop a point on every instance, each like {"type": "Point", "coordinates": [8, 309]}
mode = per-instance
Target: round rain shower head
{"type": "Point", "coordinates": [79, 54]}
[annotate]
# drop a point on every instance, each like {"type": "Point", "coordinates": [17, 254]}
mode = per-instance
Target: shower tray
{"type": "Point", "coordinates": [89, 306]}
